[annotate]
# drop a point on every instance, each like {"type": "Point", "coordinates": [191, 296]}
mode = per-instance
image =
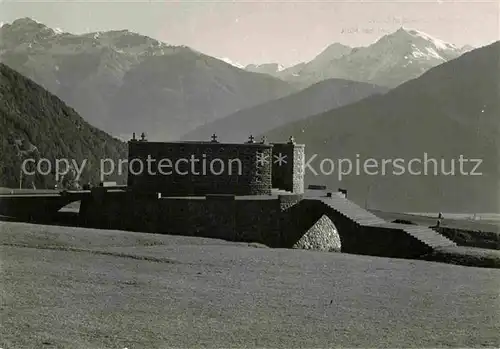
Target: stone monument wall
{"type": "Point", "coordinates": [200, 168]}
{"type": "Point", "coordinates": [288, 174]}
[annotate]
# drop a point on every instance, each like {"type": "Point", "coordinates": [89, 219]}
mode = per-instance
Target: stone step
{"type": "Point", "coordinates": [352, 211]}
{"type": "Point", "coordinates": [362, 217]}
{"type": "Point", "coordinates": [422, 233]}
{"type": "Point", "coordinates": [368, 221]}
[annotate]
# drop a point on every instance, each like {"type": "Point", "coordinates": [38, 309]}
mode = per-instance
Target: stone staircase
{"type": "Point", "coordinates": [362, 217]}
{"type": "Point", "coordinates": [422, 233]}
{"type": "Point", "coordinates": [350, 210]}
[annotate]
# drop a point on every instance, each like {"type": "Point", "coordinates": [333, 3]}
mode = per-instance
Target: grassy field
{"type": "Point", "coordinates": [82, 288]}
{"type": "Point", "coordinates": [472, 233]}
{"type": "Point", "coordinates": [468, 224]}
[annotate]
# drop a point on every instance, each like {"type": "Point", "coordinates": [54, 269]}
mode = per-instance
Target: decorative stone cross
{"type": "Point", "coordinates": [291, 140]}
{"type": "Point", "coordinates": [133, 137]}
{"type": "Point", "coordinates": [214, 138]}
{"type": "Point", "coordinates": [250, 139]}
{"type": "Point", "coordinates": [264, 140]}
{"type": "Point", "coordinates": [143, 137]}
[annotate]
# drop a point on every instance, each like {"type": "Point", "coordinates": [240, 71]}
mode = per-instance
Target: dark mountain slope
{"type": "Point", "coordinates": [36, 124]}
{"type": "Point", "coordinates": [122, 81]}
{"type": "Point", "coordinates": [451, 110]}
{"type": "Point", "coordinates": [320, 97]}
{"type": "Point", "coordinates": [171, 95]}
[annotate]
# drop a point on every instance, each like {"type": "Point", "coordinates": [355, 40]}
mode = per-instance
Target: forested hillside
{"type": "Point", "coordinates": [36, 124]}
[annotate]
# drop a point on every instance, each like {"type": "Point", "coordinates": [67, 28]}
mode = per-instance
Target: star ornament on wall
{"type": "Point", "coordinates": [280, 159]}
{"type": "Point", "coordinates": [262, 159]}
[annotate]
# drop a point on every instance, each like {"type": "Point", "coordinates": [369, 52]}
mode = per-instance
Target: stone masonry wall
{"type": "Point", "coordinates": [298, 169]}
{"type": "Point", "coordinates": [289, 173]}
{"type": "Point", "coordinates": [286, 222]}
{"type": "Point", "coordinates": [273, 222]}
{"type": "Point", "coordinates": [217, 216]}
{"type": "Point", "coordinates": [216, 168]}
{"type": "Point", "coordinates": [322, 236]}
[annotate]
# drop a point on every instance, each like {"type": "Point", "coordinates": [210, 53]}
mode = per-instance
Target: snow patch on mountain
{"type": "Point", "coordinates": [407, 63]}
{"type": "Point", "coordinates": [438, 43]}
{"type": "Point", "coordinates": [279, 67]}
{"type": "Point", "coordinates": [234, 64]}
{"type": "Point", "coordinates": [467, 48]}
{"type": "Point", "coordinates": [429, 54]}
{"type": "Point", "coordinates": [267, 68]}
{"type": "Point", "coordinates": [433, 53]}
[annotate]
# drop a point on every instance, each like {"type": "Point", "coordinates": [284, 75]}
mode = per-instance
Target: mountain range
{"type": "Point", "coordinates": [406, 96]}
{"type": "Point", "coordinates": [35, 124]}
{"type": "Point", "coordinates": [320, 97]}
{"type": "Point", "coordinates": [123, 82]}
{"type": "Point", "coordinates": [451, 111]}
{"type": "Point", "coordinates": [390, 61]}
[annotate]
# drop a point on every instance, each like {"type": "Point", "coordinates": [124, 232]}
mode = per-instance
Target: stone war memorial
{"type": "Point", "coordinates": [249, 192]}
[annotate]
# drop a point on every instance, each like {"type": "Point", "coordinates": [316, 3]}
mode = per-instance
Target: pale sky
{"type": "Point", "coordinates": [285, 31]}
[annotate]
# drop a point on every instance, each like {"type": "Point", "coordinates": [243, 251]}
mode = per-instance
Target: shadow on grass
{"type": "Point", "coordinates": [65, 219]}
{"type": "Point", "coordinates": [473, 251]}
{"type": "Point", "coordinates": [467, 256]}
{"type": "Point", "coordinates": [471, 238]}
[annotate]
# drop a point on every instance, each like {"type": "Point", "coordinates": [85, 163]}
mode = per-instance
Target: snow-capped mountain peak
{"type": "Point", "coordinates": [391, 60]}
{"type": "Point", "coordinates": [27, 32]}
{"type": "Point", "coordinates": [27, 22]}
{"type": "Point", "coordinates": [421, 46]}
{"type": "Point", "coordinates": [440, 44]}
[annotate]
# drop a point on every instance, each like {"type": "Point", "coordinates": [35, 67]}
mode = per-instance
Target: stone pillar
{"type": "Point", "coordinates": [288, 167]}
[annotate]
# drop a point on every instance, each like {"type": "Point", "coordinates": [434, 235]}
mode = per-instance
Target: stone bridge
{"type": "Point", "coordinates": [362, 232]}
